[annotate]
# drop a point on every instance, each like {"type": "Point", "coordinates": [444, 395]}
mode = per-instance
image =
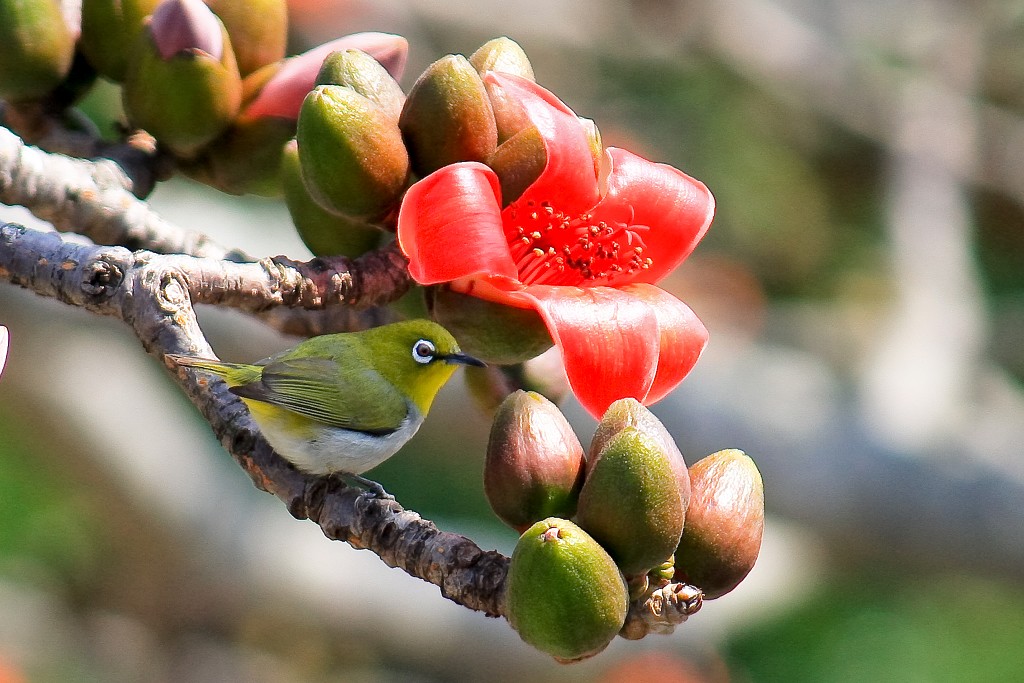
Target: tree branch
{"type": "Point", "coordinates": [154, 295]}
{"type": "Point", "coordinates": [44, 125]}
{"type": "Point", "coordinates": [89, 197]}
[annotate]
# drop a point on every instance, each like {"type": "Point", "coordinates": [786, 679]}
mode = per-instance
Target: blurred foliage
{"type": "Point", "coordinates": [797, 197]}
{"type": "Point", "coordinates": [890, 626]}
{"type": "Point", "coordinates": [48, 526]}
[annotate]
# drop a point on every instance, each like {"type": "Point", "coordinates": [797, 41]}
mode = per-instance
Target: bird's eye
{"type": "Point", "coordinates": [423, 351]}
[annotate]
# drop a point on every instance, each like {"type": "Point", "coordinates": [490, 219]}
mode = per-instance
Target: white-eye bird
{"type": "Point", "coordinates": [343, 403]}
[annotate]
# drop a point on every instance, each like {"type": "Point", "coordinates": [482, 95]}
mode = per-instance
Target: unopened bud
{"type": "Point", "coordinates": [181, 26]}
{"type": "Point", "coordinates": [631, 501]}
{"type": "Point", "coordinates": [447, 117]}
{"type": "Point", "coordinates": [325, 233]}
{"type": "Point", "coordinates": [518, 162]}
{"type": "Point", "coordinates": [36, 48]}
{"type": "Point", "coordinates": [175, 87]}
{"type": "Point", "coordinates": [564, 594]}
{"type": "Point", "coordinates": [359, 71]}
{"type": "Point", "coordinates": [353, 159]}
{"type": "Point", "coordinates": [504, 55]}
{"type": "Point", "coordinates": [534, 463]}
{"type": "Point", "coordinates": [258, 30]}
{"type": "Point", "coordinates": [724, 524]}
{"type": "Point", "coordinates": [109, 30]}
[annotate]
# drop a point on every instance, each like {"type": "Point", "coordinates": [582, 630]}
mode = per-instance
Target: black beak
{"type": "Point", "coordinates": [463, 359]}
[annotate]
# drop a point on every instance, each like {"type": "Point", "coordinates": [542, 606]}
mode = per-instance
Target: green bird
{"type": "Point", "coordinates": [344, 403]}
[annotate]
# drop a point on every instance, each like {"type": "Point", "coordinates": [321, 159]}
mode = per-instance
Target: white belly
{"type": "Point", "coordinates": [323, 449]}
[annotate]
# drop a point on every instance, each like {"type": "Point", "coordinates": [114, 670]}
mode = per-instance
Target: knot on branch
{"type": "Point", "coordinates": [661, 610]}
{"type": "Point", "coordinates": [101, 277]}
{"type": "Point", "coordinates": [172, 293]}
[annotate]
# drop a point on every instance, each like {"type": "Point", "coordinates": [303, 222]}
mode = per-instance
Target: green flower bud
{"type": "Point", "coordinates": [36, 48]}
{"type": "Point", "coordinates": [492, 332]}
{"type": "Point", "coordinates": [534, 463]}
{"type": "Point", "coordinates": [518, 162]}
{"type": "Point", "coordinates": [504, 55]}
{"type": "Point", "coordinates": [359, 71]}
{"type": "Point", "coordinates": [447, 117]}
{"type": "Point", "coordinates": [631, 501]}
{"type": "Point", "coordinates": [353, 159]}
{"type": "Point", "coordinates": [258, 30]}
{"type": "Point", "coordinates": [724, 524]}
{"type": "Point", "coordinates": [325, 233]}
{"type": "Point", "coordinates": [182, 84]}
{"type": "Point", "coordinates": [109, 29]}
{"type": "Point", "coordinates": [564, 594]}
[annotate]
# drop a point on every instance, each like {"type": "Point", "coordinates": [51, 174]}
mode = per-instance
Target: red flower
{"type": "Point", "coordinates": [581, 250]}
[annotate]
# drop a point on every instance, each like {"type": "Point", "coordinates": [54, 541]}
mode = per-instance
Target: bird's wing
{"type": "Point", "coordinates": [316, 388]}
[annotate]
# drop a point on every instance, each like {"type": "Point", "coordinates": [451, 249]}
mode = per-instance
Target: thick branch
{"type": "Point", "coordinates": [89, 197]}
{"type": "Point", "coordinates": [154, 295]}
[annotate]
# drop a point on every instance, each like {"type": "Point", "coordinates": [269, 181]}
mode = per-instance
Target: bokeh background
{"type": "Point", "coordinates": [864, 287]}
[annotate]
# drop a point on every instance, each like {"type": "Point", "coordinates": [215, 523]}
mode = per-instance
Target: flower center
{"type": "Point", "coordinates": [552, 248]}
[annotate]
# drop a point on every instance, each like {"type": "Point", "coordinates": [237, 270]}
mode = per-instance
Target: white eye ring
{"type": "Point", "coordinates": [423, 351]}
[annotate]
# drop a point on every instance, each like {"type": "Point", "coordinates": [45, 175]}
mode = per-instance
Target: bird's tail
{"type": "Point", "coordinates": [233, 373]}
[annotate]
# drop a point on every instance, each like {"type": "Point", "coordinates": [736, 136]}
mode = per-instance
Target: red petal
{"type": "Point", "coordinates": [568, 181]}
{"type": "Point", "coordinates": [608, 338]}
{"type": "Point", "coordinates": [450, 227]}
{"type": "Point", "coordinates": [682, 338]}
{"type": "Point", "coordinates": [677, 208]}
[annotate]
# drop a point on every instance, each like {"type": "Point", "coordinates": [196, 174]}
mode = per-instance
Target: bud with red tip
{"type": "Point", "coordinates": [279, 89]}
{"type": "Point", "coordinates": [182, 84]}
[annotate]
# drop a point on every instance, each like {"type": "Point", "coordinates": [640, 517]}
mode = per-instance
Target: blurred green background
{"type": "Point", "coordinates": [863, 283]}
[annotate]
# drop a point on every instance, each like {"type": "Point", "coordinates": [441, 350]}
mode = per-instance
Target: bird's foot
{"type": "Point", "coordinates": [368, 485]}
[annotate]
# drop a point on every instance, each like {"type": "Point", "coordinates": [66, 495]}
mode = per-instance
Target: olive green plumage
{"type": "Point", "coordinates": [344, 402]}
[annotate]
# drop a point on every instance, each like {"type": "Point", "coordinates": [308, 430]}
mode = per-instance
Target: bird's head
{"type": "Point", "coordinates": [417, 357]}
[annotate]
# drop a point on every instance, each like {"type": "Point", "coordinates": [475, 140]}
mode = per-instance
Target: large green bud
{"type": "Point", "coordinates": [353, 160]}
{"type": "Point", "coordinates": [504, 55]}
{"type": "Point", "coordinates": [534, 463]}
{"type": "Point", "coordinates": [448, 116]}
{"type": "Point", "coordinates": [325, 233]}
{"type": "Point", "coordinates": [36, 48]}
{"type": "Point", "coordinates": [109, 29]}
{"type": "Point", "coordinates": [258, 30]}
{"type": "Point", "coordinates": [631, 502]}
{"type": "Point", "coordinates": [362, 73]}
{"type": "Point", "coordinates": [182, 84]}
{"type": "Point", "coordinates": [724, 524]}
{"type": "Point", "coordinates": [564, 594]}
